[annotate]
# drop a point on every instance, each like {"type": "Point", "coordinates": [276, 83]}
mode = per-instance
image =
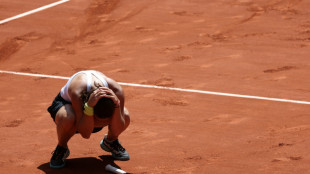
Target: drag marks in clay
{"type": "Point", "coordinates": [14, 123]}
{"type": "Point", "coordinates": [199, 44]}
{"type": "Point", "coordinates": [303, 34]}
{"type": "Point", "coordinates": [293, 129]}
{"type": "Point", "coordinates": [282, 6]}
{"type": "Point", "coordinates": [143, 29]}
{"type": "Point", "coordinates": [163, 81]}
{"type": "Point", "coordinates": [172, 48]}
{"type": "Point", "coordinates": [195, 44]}
{"type": "Point", "coordinates": [287, 151]}
{"type": "Point", "coordinates": [185, 13]}
{"type": "Point", "coordinates": [284, 68]}
{"type": "Point", "coordinates": [226, 118]}
{"type": "Point", "coordinates": [120, 70]}
{"type": "Point", "coordinates": [13, 45]}
{"type": "Point", "coordinates": [207, 159]}
{"type": "Point", "coordinates": [96, 13]}
{"type": "Point", "coordinates": [182, 58]}
{"type": "Point", "coordinates": [287, 159]}
{"type": "Point", "coordinates": [170, 101]}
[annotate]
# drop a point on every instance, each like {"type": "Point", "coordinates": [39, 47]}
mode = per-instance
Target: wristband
{"type": "Point", "coordinates": [89, 111]}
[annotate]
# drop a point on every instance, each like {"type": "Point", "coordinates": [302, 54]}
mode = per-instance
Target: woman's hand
{"type": "Point", "coordinates": [110, 94]}
{"type": "Point", "coordinates": [102, 92]}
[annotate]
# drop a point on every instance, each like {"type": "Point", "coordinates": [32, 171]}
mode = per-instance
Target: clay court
{"type": "Point", "coordinates": [234, 74]}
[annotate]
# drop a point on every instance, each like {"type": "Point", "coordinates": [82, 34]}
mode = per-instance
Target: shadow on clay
{"type": "Point", "coordinates": [81, 166]}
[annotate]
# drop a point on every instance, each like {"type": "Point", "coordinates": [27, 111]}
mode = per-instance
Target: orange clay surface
{"type": "Point", "coordinates": [251, 47]}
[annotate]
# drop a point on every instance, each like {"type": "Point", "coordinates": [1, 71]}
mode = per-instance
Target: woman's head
{"type": "Point", "coordinates": [104, 108]}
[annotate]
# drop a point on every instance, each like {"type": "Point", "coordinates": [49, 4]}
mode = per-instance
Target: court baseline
{"type": "Point", "coordinates": [33, 11]}
{"type": "Point", "coordinates": [170, 88]}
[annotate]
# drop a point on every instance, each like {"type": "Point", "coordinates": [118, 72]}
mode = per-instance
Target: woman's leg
{"type": "Point", "coordinates": [65, 122]}
{"type": "Point", "coordinates": [111, 135]}
{"type": "Point", "coordinates": [111, 144]}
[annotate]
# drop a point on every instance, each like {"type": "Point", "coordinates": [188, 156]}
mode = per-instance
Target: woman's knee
{"type": "Point", "coordinates": [65, 117]}
{"type": "Point", "coordinates": [126, 117]}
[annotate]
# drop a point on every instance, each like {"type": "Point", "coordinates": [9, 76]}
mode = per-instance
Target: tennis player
{"type": "Point", "coordinates": [88, 102]}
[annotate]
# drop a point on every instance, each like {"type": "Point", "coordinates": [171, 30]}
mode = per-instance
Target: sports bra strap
{"type": "Point", "coordinates": [89, 79]}
{"type": "Point", "coordinates": [105, 83]}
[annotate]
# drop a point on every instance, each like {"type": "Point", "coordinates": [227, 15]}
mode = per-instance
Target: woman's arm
{"type": "Point", "coordinates": [83, 123]}
{"type": "Point", "coordinates": [117, 123]}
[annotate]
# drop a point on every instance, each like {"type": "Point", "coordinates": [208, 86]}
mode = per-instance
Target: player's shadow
{"type": "Point", "coordinates": [90, 165]}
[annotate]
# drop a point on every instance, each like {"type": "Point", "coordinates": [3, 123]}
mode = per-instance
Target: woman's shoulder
{"type": "Point", "coordinates": [78, 84]}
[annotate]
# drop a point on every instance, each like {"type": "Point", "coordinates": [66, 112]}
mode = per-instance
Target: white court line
{"type": "Point", "coordinates": [33, 11]}
{"type": "Point", "coordinates": [169, 88]}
